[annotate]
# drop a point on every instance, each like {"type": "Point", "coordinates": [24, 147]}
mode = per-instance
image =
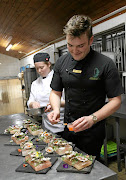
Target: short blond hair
{"type": "Point", "coordinates": [78, 25]}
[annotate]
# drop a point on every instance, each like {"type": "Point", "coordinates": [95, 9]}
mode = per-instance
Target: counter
{"type": "Point", "coordinates": [9, 163]}
{"type": "Point", "coordinates": [118, 115]}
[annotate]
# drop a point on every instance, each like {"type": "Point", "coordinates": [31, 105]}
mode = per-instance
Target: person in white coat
{"type": "Point", "coordinates": [40, 91]}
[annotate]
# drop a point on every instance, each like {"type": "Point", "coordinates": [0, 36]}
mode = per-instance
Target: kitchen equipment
{"type": "Point", "coordinates": [36, 111]}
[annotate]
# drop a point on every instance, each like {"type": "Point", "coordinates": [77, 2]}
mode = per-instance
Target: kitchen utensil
{"type": "Point", "coordinates": [36, 111]}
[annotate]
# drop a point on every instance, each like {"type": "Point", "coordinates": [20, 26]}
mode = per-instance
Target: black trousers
{"type": "Point", "coordinates": [90, 141]}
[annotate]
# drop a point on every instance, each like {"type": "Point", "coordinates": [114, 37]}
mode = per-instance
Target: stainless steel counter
{"type": "Point", "coordinates": [118, 115]}
{"type": "Point", "coordinates": [9, 163]}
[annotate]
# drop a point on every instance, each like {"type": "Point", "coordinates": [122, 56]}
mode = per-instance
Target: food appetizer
{"type": "Point", "coordinates": [34, 129]}
{"type": "Point", "coordinates": [18, 137]}
{"type": "Point", "coordinates": [37, 161]}
{"type": "Point", "coordinates": [26, 122]}
{"type": "Point", "coordinates": [77, 160]}
{"type": "Point", "coordinates": [49, 150]}
{"type": "Point", "coordinates": [46, 136]}
{"type": "Point", "coordinates": [60, 146]}
{"type": "Point", "coordinates": [27, 147]}
{"type": "Point", "coordinates": [13, 129]}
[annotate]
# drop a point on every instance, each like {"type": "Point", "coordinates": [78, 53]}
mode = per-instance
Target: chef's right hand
{"type": "Point", "coordinates": [35, 105]}
{"type": "Point", "coordinates": [54, 117]}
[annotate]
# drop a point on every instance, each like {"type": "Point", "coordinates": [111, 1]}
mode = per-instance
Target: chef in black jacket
{"type": "Point", "coordinates": [88, 77]}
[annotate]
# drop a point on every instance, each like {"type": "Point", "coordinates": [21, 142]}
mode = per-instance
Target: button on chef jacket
{"type": "Point", "coordinates": [40, 92]}
{"type": "Point", "coordinates": [86, 83]}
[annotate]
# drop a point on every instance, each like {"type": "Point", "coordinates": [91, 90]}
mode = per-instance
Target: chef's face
{"type": "Point", "coordinates": [79, 47]}
{"type": "Point", "coordinates": [42, 68]}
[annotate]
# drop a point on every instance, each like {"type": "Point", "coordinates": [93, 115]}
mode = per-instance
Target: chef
{"type": "Point", "coordinates": [40, 91]}
{"type": "Point", "coordinates": [87, 77]}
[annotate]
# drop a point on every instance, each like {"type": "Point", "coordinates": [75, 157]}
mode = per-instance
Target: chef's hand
{"type": "Point", "coordinates": [35, 105]}
{"type": "Point", "coordinates": [48, 108]}
{"type": "Point", "coordinates": [82, 123]}
{"type": "Point", "coordinates": [54, 116]}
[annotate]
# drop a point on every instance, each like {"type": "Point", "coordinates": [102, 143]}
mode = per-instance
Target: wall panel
{"type": "Point", "coordinates": [10, 97]}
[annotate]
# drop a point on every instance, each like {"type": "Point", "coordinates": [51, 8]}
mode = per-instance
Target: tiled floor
{"type": "Point", "coordinates": [113, 166]}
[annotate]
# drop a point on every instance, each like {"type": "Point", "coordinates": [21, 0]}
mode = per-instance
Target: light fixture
{"type": "Point", "coordinates": [9, 47]}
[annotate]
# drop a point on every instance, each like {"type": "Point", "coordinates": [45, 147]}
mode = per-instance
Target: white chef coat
{"type": "Point", "coordinates": [40, 92]}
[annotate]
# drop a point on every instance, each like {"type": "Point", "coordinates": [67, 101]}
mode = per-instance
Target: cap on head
{"type": "Point", "coordinates": [41, 57]}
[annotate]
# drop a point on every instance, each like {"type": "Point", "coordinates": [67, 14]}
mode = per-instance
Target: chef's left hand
{"type": "Point", "coordinates": [82, 123]}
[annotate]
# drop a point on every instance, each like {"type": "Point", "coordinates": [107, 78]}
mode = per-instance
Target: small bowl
{"type": "Point", "coordinates": [49, 150]}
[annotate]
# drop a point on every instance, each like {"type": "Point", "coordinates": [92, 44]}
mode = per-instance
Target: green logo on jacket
{"type": "Point", "coordinates": [96, 74]}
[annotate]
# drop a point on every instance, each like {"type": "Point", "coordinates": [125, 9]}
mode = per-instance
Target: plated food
{"type": "Point", "coordinates": [46, 136]}
{"type": "Point", "coordinates": [55, 145]}
{"type": "Point", "coordinates": [37, 161]}
{"type": "Point", "coordinates": [18, 137]}
{"type": "Point", "coordinates": [27, 147]}
{"type": "Point", "coordinates": [77, 160]}
{"type": "Point", "coordinates": [26, 122]}
{"type": "Point", "coordinates": [13, 129]}
{"type": "Point", "coordinates": [34, 129]}
{"type": "Point", "coordinates": [60, 146]}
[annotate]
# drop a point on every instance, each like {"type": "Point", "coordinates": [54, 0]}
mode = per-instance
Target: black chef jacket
{"type": "Point", "coordinates": [86, 83]}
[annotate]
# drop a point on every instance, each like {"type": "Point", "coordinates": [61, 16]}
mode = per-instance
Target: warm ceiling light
{"type": "Point", "coordinates": [9, 47]}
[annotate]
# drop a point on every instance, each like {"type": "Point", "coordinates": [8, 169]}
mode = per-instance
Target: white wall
{"type": "Point", "coordinates": [9, 66]}
{"type": "Point", "coordinates": [111, 23]}
{"type": "Point", "coordinates": [29, 59]}
{"type": "Point", "coordinates": [60, 44]}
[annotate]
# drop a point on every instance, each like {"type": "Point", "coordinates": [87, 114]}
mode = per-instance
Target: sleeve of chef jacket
{"type": "Point", "coordinates": [113, 84]}
{"type": "Point", "coordinates": [32, 94]}
{"type": "Point", "coordinates": [56, 83]}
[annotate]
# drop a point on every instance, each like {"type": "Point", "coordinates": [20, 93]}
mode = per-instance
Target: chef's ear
{"type": "Point", "coordinates": [49, 64]}
{"type": "Point", "coordinates": [91, 40]}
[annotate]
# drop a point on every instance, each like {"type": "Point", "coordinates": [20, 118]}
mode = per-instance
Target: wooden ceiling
{"type": "Point", "coordinates": [30, 24]}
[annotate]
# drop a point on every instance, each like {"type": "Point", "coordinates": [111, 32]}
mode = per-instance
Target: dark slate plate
{"type": "Point", "coordinates": [64, 167]}
{"type": "Point", "coordinates": [16, 153]}
{"type": "Point", "coordinates": [40, 142]}
{"type": "Point", "coordinates": [29, 169]}
{"type": "Point", "coordinates": [14, 144]}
